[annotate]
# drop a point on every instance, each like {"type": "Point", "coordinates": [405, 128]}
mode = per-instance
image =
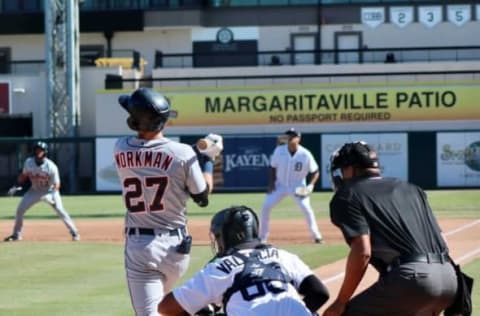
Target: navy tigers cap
{"type": "Point", "coordinates": [292, 132]}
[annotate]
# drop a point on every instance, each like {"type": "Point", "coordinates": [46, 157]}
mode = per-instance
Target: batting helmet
{"type": "Point", "coordinates": [41, 145]}
{"type": "Point", "coordinates": [149, 110]}
{"type": "Point", "coordinates": [356, 154]}
{"type": "Point", "coordinates": [40, 158]}
{"type": "Point", "coordinates": [233, 226]}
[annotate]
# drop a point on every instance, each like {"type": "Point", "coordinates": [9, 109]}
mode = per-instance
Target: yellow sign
{"type": "Point", "coordinates": [330, 105]}
{"type": "Point", "coordinates": [125, 62]}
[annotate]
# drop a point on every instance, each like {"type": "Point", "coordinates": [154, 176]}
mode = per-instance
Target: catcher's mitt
{"type": "Point", "coordinates": [210, 310]}
{"type": "Point", "coordinates": [304, 191]}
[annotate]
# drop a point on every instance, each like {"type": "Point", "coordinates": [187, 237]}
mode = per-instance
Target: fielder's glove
{"type": "Point", "coordinates": [304, 191]}
{"type": "Point", "coordinates": [13, 190]}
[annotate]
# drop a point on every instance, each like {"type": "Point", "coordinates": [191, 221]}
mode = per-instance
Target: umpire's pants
{"type": "Point", "coordinates": [410, 289]}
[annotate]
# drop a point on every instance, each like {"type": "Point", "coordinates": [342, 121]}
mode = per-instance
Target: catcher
{"type": "Point", "coordinates": [43, 174]}
{"type": "Point", "coordinates": [207, 149]}
{"type": "Point", "coordinates": [247, 277]}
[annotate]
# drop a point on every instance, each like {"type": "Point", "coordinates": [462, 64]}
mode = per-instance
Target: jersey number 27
{"type": "Point", "coordinates": [135, 198]}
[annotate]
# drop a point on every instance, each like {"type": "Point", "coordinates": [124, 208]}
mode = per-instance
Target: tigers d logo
{"type": "Point", "coordinates": [472, 156]}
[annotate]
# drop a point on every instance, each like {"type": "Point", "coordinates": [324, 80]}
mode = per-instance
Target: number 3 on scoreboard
{"type": "Point", "coordinates": [134, 196]}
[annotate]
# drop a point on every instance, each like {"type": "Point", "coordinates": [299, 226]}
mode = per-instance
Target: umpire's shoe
{"type": "Point", "coordinates": [13, 237]}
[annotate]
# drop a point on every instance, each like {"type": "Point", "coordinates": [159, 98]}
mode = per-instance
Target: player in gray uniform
{"type": "Point", "coordinates": [158, 176]}
{"type": "Point", "coordinates": [45, 180]}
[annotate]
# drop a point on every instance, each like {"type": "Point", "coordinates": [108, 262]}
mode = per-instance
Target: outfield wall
{"type": "Point", "coordinates": [429, 159]}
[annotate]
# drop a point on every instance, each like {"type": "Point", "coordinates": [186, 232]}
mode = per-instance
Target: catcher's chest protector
{"type": "Point", "coordinates": [258, 275]}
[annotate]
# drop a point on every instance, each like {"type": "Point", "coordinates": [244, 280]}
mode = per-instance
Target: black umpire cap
{"type": "Point", "coordinates": [357, 154]}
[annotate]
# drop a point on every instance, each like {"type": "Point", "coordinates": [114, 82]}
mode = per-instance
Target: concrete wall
{"type": "Point", "coordinates": [179, 39]}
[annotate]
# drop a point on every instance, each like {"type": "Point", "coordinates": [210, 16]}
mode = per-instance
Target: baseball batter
{"type": "Point", "coordinates": [290, 165]}
{"type": "Point", "coordinates": [157, 175]}
{"type": "Point", "coordinates": [247, 277]}
{"type": "Point", "coordinates": [45, 185]}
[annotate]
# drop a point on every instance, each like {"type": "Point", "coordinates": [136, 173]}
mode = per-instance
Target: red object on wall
{"type": "Point", "coordinates": [4, 98]}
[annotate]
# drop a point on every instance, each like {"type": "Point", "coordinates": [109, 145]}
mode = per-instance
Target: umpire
{"type": "Point", "coordinates": [389, 224]}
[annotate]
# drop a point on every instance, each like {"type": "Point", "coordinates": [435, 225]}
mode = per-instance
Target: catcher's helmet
{"type": "Point", "coordinates": [149, 110]}
{"type": "Point", "coordinates": [356, 154]}
{"type": "Point", "coordinates": [233, 226]}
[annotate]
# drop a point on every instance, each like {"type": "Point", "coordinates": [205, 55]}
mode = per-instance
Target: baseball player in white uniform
{"type": "Point", "coordinates": [247, 277]}
{"type": "Point", "coordinates": [290, 164]}
{"type": "Point", "coordinates": [158, 176]}
{"type": "Point", "coordinates": [45, 185]}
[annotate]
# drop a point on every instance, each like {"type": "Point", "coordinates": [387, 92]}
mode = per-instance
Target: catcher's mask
{"type": "Point", "coordinates": [40, 150]}
{"type": "Point", "coordinates": [149, 110]}
{"type": "Point", "coordinates": [231, 227]}
{"type": "Point", "coordinates": [357, 154]}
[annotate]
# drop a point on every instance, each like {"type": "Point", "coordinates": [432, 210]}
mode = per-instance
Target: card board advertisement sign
{"type": "Point", "coordinates": [106, 178]}
{"type": "Point", "coordinates": [392, 150]}
{"type": "Point", "coordinates": [246, 162]}
{"type": "Point", "coordinates": [458, 159]}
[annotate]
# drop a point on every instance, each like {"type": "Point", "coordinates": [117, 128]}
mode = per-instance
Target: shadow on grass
{"type": "Point", "coordinates": [54, 216]}
{"type": "Point", "coordinates": [96, 215]}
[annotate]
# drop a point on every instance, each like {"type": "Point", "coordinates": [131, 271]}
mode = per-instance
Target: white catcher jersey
{"type": "Point", "coordinates": [292, 170]}
{"type": "Point", "coordinates": [42, 177]}
{"type": "Point", "coordinates": [209, 285]}
{"type": "Point", "coordinates": [157, 177]}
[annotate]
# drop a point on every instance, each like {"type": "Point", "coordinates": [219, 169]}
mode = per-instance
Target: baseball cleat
{"type": "Point", "coordinates": [319, 241]}
{"type": "Point", "coordinates": [13, 237]}
{"type": "Point", "coordinates": [76, 237]}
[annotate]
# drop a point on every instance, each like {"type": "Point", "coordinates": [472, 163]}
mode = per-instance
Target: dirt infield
{"type": "Point", "coordinates": [462, 234]}
{"type": "Point", "coordinates": [291, 231]}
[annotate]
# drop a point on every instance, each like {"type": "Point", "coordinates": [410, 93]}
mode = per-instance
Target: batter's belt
{"type": "Point", "coordinates": [424, 257]}
{"type": "Point", "coordinates": [129, 231]}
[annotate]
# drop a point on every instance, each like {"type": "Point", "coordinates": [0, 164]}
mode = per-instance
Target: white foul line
{"type": "Point", "coordinates": [467, 255]}
{"type": "Point", "coordinates": [452, 232]}
{"type": "Point", "coordinates": [463, 227]}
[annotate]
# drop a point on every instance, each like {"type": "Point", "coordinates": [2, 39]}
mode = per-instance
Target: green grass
{"type": "Point", "coordinates": [473, 270]}
{"type": "Point", "coordinates": [88, 278]}
{"type": "Point", "coordinates": [45, 279]}
{"type": "Point", "coordinates": [448, 203]}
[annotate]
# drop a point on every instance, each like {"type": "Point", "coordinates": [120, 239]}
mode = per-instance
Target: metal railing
{"type": "Point", "coordinates": [306, 57]}
{"type": "Point", "coordinates": [32, 6]}
{"type": "Point", "coordinates": [332, 56]}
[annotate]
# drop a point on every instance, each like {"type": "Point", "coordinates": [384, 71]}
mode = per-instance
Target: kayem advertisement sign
{"type": "Point", "coordinates": [303, 104]}
{"type": "Point", "coordinates": [458, 159]}
{"type": "Point", "coordinates": [392, 150]}
{"type": "Point", "coordinates": [246, 162]}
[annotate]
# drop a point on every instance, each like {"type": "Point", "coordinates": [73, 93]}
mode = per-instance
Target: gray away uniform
{"type": "Point", "coordinates": [157, 178]}
{"type": "Point", "coordinates": [43, 178]}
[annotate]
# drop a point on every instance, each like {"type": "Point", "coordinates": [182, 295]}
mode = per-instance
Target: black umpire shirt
{"type": "Point", "coordinates": [394, 213]}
